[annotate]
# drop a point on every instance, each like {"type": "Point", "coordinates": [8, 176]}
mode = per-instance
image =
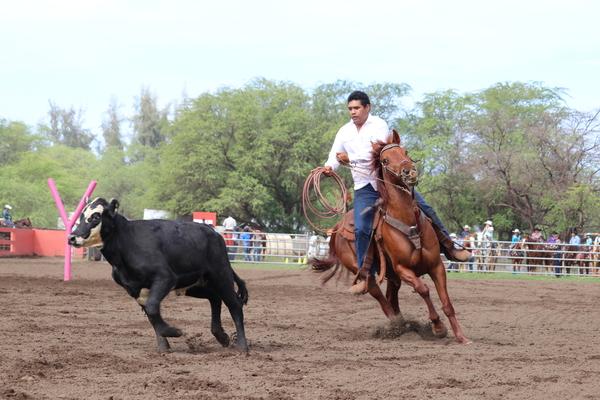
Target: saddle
{"type": "Point", "coordinates": [413, 233]}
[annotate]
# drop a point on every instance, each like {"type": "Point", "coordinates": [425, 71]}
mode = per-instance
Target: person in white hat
{"type": "Point", "coordinates": [487, 236]}
{"type": "Point", "coordinates": [7, 217]}
{"type": "Point", "coordinates": [488, 231]}
{"type": "Point", "coordinates": [516, 238]}
{"type": "Point", "coordinates": [466, 232]}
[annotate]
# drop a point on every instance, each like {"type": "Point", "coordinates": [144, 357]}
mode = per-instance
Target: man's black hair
{"type": "Point", "coordinates": [360, 96]}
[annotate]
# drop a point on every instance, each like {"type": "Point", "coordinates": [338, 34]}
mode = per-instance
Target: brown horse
{"type": "Point", "coordinates": [581, 258]}
{"type": "Point", "coordinates": [20, 223]}
{"type": "Point", "coordinates": [535, 250]}
{"type": "Point", "coordinates": [576, 258]}
{"type": "Point", "coordinates": [23, 223]}
{"type": "Point", "coordinates": [406, 237]}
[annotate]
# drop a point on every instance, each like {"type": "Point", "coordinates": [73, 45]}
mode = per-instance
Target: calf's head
{"type": "Point", "coordinates": [96, 214]}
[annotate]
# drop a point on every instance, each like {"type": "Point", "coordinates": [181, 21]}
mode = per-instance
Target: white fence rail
{"type": "Point", "coordinates": [496, 256]}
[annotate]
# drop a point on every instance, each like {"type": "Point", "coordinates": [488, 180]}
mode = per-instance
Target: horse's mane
{"type": "Point", "coordinates": [376, 167]}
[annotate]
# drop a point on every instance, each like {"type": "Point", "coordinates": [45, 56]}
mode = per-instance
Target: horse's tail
{"type": "Point", "coordinates": [326, 264]}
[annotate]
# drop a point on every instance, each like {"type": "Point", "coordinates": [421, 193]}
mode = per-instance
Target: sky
{"type": "Point", "coordinates": [86, 53]}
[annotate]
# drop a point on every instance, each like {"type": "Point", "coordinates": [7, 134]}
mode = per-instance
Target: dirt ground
{"type": "Point", "coordinates": [86, 339]}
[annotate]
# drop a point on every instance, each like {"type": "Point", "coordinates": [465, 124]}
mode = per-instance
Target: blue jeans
{"type": "Point", "coordinates": [430, 212]}
{"type": "Point", "coordinates": [364, 198]}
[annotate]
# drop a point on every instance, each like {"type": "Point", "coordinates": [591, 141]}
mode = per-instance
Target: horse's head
{"type": "Point", "coordinates": [392, 163]}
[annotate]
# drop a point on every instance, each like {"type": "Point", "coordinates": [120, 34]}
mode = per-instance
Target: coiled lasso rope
{"type": "Point", "coordinates": [322, 208]}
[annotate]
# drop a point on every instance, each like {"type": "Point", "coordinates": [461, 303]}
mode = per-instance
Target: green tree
{"type": "Point", "coordinates": [66, 127]}
{"type": "Point", "coordinates": [435, 134]}
{"type": "Point", "coordinates": [579, 208]}
{"type": "Point", "coordinates": [149, 123]}
{"type": "Point", "coordinates": [25, 184]}
{"type": "Point", "coordinates": [111, 126]}
{"type": "Point", "coordinates": [247, 152]}
{"type": "Point", "coordinates": [15, 140]}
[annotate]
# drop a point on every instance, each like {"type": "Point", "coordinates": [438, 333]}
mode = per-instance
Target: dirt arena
{"type": "Point", "coordinates": [86, 339]}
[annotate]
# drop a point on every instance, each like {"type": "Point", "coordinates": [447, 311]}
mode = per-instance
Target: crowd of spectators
{"type": "Point", "coordinates": [574, 253]}
{"type": "Point", "coordinates": [247, 242]}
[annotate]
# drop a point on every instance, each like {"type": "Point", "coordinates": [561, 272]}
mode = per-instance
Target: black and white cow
{"type": "Point", "coordinates": [151, 258]}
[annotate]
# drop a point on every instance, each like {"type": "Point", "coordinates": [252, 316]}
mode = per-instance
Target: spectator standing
{"type": "Point", "coordinates": [553, 244]}
{"type": "Point", "coordinates": [260, 244]}
{"type": "Point", "coordinates": [465, 233]}
{"type": "Point", "coordinates": [575, 239]}
{"type": "Point", "coordinates": [230, 243]}
{"type": "Point", "coordinates": [230, 224]}
{"type": "Point", "coordinates": [246, 238]}
{"type": "Point", "coordinates": [487, 237]}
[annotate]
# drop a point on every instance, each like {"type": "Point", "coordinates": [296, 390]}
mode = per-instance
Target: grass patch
{"type": "Point", "coordinates": [522, 276]}
{"type": "Point", "coordinates": [269, 266]}
{"type": "Point", "coordinates": [451, 275]}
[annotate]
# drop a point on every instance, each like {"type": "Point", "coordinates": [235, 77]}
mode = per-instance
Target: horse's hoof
{"type": "Point", "coordinates": [171, 332]}
{"type": "Point", "coordinates": [463, 340]}
{"type": "Point", "coordinates": [439, 331]}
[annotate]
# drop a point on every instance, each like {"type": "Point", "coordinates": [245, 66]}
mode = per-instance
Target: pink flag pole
{"type": "Point", "coordinates": [69, 222]}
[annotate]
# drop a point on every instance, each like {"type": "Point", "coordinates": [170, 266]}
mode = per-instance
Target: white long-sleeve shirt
{"type": "Point", "coordinates": [358, 146]}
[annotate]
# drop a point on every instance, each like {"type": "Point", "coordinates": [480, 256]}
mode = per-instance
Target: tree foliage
{"type": "Point", "coordinates": [111, 127]}
{"type": "Point", "coordinates": [66, 128]}
{"type": "Point", "coordinates": [513, 153]}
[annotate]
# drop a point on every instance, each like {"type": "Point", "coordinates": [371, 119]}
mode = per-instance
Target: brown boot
{"type": "Point", "coordinates": [362, 283]}
{"type": "Point", "coordinates": [363, 278]}
{"type": "Point", "coordinates": [359, 288]}
{"type": "Point", "coordinates": [447, 246]}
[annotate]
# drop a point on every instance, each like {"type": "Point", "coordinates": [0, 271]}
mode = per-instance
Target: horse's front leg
{"type": "Point", "coordinates": [438, 275]}
{"type": "Point", "coordinates": [407, 275]}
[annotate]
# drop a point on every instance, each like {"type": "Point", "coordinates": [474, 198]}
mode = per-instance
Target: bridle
{"type": "Point", "coordinates": [399, 175]}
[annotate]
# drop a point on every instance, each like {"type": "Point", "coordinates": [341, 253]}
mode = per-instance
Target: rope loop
{"type": "Point", "coordinates": [322, 208]}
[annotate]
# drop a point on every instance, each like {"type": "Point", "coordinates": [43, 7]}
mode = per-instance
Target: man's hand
{"type": "Point", "coordinates": [342, 158]}
{"type": "Point", "coordinates": [327, 171]}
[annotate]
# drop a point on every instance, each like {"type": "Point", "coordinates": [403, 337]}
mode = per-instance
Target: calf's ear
{"type": "Point", "coordinates": [113, 207]}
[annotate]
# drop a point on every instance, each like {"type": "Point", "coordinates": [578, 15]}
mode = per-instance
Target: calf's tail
{"type": "Point", "coordinates": [242, 291]}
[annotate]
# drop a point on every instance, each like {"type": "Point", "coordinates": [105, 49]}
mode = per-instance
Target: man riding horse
{"type": "Point", "coordinates": [352, 146]}
{"type": "Point", "coordinates": [7, 218]}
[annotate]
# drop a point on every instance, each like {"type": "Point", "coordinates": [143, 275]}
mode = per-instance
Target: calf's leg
{"type": "Point", "coordinates": [216, 327]}
{"type": "Point", "coordinates": [158, 291]}
{"type": "Point", "coordinates": [234, 304]}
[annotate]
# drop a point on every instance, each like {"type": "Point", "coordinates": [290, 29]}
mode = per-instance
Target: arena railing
{"type": "Point", "coordinates": [488, 257]}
